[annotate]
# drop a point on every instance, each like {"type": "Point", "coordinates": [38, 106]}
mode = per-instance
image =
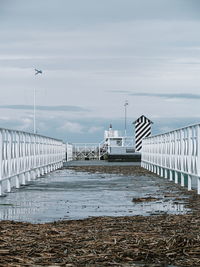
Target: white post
{"type": "Point", "coordinates": [182, 179]}
{"type": "Point", "coordinates": [198, 158]}
{"type": "Point", "coordinates": [8, 147]}
{"type": "Point", "coordinates": [170, 175]}
{"type": "Point", "coordinates": [189, 156]}
{"type": "Point", "coordinates": [182, 156]}
{"type": "Point", "coordinates": [161, 172]}
{"type": "Point", "coordinates": [165, 174]}
{"type": "Point", "coordinates": [8, 186]}
{"type": "Point", "coordinates": [158, 170]}
{"type": "Point", "coordinates": [23, 179]}
{"type": "Point", "coordinates": [17, 183]}
{"type": "Point", "coordinates": [198, 185]}
{"type": "Point", "coordinates": [176, 177]}
{"type": "Point", "coordinates": [176, 156]}
{"type": "Point", "coordinates": [38, 172]}
{"type": "Point", "coordinates": [41, 171]}
{"type": "Point", "coordinates": [152, 167]}
{"type": "Point", "coordinates": [189, 182]}
{"type": "Point", "coordinates": [28, 176]}
{"type": "Point", "coordinates": [155, 169]}
{"type": "Point", "coordinates": [33, 174]}
{"type": "Point", "coordinates": [1, 192]}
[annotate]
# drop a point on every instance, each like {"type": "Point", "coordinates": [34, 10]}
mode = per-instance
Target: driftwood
{"type": "Point", "coordinates": [103, 241]}
{"type": "Point", "coordinates": [126, 170]}
{"type": "Point", "coordinates": [145, 199]}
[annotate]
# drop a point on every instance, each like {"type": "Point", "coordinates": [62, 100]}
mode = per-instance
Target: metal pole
{"type": "Point", "coordinates": [34, 104]}
{"type": "Point", "coordinates": [125, 105]}
{"type": "Point", "coordinates": [34, 112]}
{"type": "Point", "coordinates": [125, 121]}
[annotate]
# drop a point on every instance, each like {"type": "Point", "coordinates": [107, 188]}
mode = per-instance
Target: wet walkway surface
{"type": "Point", "coordinates": [99, 163]}
{"type": "Point", "coordinates": [68, 194]}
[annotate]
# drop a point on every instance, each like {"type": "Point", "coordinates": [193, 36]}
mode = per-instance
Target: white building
{"type": "Point", "coordinates": [116, 143]}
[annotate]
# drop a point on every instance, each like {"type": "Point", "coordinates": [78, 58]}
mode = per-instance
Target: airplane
{"type": "Point", "coordinates": [38, 71]}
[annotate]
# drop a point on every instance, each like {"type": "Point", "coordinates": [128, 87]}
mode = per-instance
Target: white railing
{"type": "Point", "coordinates": [174, 155]}
{"type": "Point", "coordinates": [83, 151]}
{"type": "Point", "coordinates": [25, 156]}
{"type": "Point", "coordinates": [97, 151]}
{"type": "Point", "coordinates": [69, 151]}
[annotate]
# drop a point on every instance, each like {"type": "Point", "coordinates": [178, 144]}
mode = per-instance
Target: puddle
{"type": "Point", "coordinates": [69, 195]}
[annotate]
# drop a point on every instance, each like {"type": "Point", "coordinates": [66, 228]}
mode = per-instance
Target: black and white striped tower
{"type": "Point", "coordinates": [142, 130]}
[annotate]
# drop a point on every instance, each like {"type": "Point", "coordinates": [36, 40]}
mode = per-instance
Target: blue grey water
{"type": "Point", "coordinates": [67, 195]}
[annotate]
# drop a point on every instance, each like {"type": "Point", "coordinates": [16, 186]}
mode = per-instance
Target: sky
{"type": "Point", "coordinates": [95, 55]}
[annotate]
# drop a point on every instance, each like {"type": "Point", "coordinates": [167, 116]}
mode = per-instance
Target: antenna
{"type": "Point", "coordinates": [34, 109]}
{"type": "Point", "coordinates": [34, 103]}
{"type": "Point", "coordinates": [125, 107]}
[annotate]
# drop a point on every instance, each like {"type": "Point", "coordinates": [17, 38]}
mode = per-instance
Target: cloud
{"type": "Point", "coordinates": [25, 124]}
{"type": "Point", "coordinates": [167, 95]}
{"type": "Point", "coordinates": [72, 127]}
{"type": "Point", "coordinates": [21, 123]}
{"type": "Point", "coordinates": [46, 108]}
{"type": "Point", "coordinates": [64, 14]}
{"type": "Point", "coordinates": [95, 129]}
{"type": "Point", "coordinates": [161, 95]}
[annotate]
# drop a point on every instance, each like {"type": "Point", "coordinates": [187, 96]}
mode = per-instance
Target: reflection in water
{"type": "Point", "coordinates": [66, 194]}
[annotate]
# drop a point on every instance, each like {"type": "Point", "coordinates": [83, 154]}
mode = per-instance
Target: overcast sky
{"type": "Point", "coordinates": [95, 54]}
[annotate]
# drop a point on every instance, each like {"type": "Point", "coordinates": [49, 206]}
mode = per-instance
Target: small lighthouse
{"type": "Point", "coordinates": [142, 130]}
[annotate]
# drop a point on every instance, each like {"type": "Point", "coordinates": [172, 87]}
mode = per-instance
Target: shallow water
{"type": "Point", "coordinates": [66, 194]}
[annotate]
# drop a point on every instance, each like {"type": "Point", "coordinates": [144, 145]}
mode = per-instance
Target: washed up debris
{"type": "Point", "coordinates": [145, 199]}
{"type": "Point", "coordinates": [104, 241]}
{"type": "Point", "coordinates": [125, 170]}
{"type": "Point", "coordinates": [170, 195]}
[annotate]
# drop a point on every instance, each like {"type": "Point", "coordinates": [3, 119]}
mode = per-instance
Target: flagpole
{"type": "Point", "coordinates": [34, 111]}
{"type": "Point", "coordinates": [34, 103]}
{"type": "Point", "coordinates": [125, 105]}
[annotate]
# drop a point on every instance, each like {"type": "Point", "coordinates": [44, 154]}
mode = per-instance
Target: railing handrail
{"type": "Point", "coordinates": [25, 132]}
{"type": "Point", "coordinates": [181, 128]}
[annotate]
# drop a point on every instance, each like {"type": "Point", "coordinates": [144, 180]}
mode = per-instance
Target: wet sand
{"type": "Point", "coordinates": [161, 240]}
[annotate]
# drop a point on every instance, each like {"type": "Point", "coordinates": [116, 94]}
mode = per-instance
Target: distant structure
{"type": "Point", "coordinates": [113, 140]}
{"type": "Point", "coordinates": [142, 130]}
{"type": "Point", "coordinates": [114, 147]}
{"type": "Point", "coordinates": [116, 143]}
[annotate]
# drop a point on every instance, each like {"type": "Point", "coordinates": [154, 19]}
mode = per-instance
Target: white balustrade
{"type": "Point", "coordinates": [174, 155]}
{"type": "Point", "coordinates": [69, 149]}
{"type": "Point", "coordinates": [25, 156]}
